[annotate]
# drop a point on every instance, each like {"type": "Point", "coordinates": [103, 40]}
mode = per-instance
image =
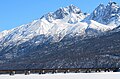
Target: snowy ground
{"type": "Point", "coordinates": [65, 76]}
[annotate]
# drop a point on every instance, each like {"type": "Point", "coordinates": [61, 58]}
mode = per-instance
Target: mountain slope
{"type": "Point", "coordinates": [64, 38]}
{"type": "Point", "coordinates": [98, 52]}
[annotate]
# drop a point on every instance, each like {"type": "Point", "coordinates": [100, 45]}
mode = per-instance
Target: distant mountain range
{"type": "Point", "coordinates": [66, 38]}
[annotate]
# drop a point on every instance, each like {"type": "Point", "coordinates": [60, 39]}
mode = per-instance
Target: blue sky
{"type": "Point", "coordinates": [14, 13]}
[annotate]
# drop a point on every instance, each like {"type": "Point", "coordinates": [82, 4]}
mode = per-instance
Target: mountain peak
{"type": "Point", "coordinates": [61, 13]}
{"type": "Point", "coordinates": [74, 9]}
{"type": "Point", "coordinates": [71, 5]}
{"type": "Point", "coordinates": [101, 6]}
{"type": "Point", "coordinates": [113, 5]}
{"type": "Point", "coordinates": [108, 15]}
{"type": "Point", "coordinates": [99, 9]}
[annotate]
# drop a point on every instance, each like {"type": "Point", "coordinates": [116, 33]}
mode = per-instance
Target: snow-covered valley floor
{"type": "Point", "coordinates": [109, 75]}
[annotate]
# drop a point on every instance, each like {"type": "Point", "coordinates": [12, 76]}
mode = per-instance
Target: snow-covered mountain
{"type": "Point", "coordinates": [57, 24]}
{"type": "Point", "coordinates": [64, 27]}
{"type": "Point", "coordinates": [4, 33]}
{"type": "Point", "coordinates": [108, 15]}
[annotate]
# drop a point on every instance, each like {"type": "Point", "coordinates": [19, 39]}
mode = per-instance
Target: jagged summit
{"type": "Point", "coordinates": [112, 3]}
{"type": "Point", "coordinates": [97, 13]}
{"type": "Point", "coordinates": [108, 15]}
{"type": "Point", "coordinates": [62, 13]}
{"type": "Point", "coordinates": [74, 9]}
{"type": "Point", "coordinates": [113, 7]}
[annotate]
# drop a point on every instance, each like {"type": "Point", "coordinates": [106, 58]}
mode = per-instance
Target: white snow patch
{"type": "Point", "coordinates": [106, 75]}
